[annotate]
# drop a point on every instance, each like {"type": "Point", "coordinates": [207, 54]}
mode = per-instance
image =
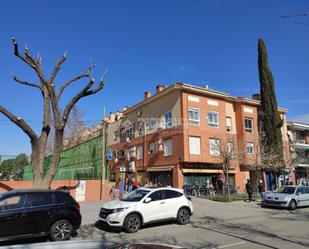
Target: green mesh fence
{"type": "Point", "coordinates": [83, 161]}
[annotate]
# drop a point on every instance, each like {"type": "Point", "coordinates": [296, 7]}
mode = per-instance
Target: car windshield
{"type": "Point", "coordinates": [286, 190]}
{"type": "Point", "coordinates": [135, 195]}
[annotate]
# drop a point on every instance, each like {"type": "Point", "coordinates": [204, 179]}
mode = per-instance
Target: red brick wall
{"type": "Point", "coordinates": [93, 189]}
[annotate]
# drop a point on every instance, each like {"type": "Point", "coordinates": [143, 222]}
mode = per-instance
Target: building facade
{"type": "Point", "coordinates": [179, 135]}
{"type": "Point", "coordinates": [299, 148]}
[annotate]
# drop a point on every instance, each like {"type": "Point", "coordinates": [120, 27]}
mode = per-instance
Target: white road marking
{"type": "Point", "coordinates": [231, 245]}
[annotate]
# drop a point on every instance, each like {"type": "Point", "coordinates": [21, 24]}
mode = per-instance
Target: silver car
{"type": "Point", "coordinates": [288, 196]}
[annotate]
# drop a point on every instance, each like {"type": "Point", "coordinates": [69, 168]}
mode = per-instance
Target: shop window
{"type": "Point", "coordinates": [168, 120]}
{"type": "Point", "coordinates": [250, 148]}
{"type": "Point", "coordinates": [213, 119]}
{"type": "Point", "coordinates": [194, 116]}
{"type": "Point", "coordinates": [249, 124]}
{"type": "Point", "coordinates": [140, 152]}
{"type": "Point", "coordinates": [195, 145]}
{"type": "Point", "coordinates": [214, 147]}
{"type": "Point", "coordinates": [168, 147]}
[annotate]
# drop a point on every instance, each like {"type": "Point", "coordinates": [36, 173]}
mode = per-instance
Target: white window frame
{"type": "Point", "coordinates": [168, 120]}
{"type": "Point", "coordinates": [194, 145]}
{"type": "Point", "coordinates": [230, 149]}
{"type": "Point", "coordinates": [214, 144]}
{"type": "Point", "coordinates": [139, 152]}
{"type": "Point", "coordinates": [229, 124]}
{"type": "Point", "coordinates": [248, 129]}
{"type": "Point", "coordinates": [250, 148]}
{"type": "Point", "coordinates": [213, 124]}
{"type": "Point", "coordinates": [192, 120]}
{"type": "Point", "coordinates": [168, 147]}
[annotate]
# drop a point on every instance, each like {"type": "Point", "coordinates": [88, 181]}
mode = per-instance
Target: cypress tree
{"type": "Point", "coordinates": [272, 121]}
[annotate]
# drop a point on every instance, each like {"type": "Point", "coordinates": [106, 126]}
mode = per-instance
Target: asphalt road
{"type": "Point", "coordinates": [214, 225]}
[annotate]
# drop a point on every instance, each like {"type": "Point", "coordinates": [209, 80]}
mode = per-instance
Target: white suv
{"type": "Point", "coordinates": [146, 205]}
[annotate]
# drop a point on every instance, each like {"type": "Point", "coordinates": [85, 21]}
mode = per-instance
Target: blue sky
{"type": "Point", "coordinates": [144, 43]}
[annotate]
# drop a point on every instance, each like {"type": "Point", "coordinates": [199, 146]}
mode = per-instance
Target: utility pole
{"type": "Point", "coordinates": [103, 157]}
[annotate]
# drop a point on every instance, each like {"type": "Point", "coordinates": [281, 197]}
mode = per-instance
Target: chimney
{"type": "Point", "coordinates": [256, 96]}
{"type": "Point", "coordinates": [147, 95]}
{"type": "Point", "coordinates": [160, 88]}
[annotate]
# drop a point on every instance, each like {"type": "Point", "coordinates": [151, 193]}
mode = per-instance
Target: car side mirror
{"type": "Point", "coordinates": [147, 200]}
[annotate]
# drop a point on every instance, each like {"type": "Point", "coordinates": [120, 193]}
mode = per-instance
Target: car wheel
{"type": "Point", "coordinates": [292, 205]}
{"type": "Point", "coordinates": [183, 216]}
{"type": "Point", "coordinates": [132, 223]}
{"type": "Point", "coordinates": [61, 230]}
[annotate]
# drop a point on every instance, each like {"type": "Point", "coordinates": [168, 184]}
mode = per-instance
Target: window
{"type": "Point", "coordinates": [151, 123]}
{"type": "Point", "coordinates": [60, 198]}
{"type": "Point", "coordinates": [156, 196]}
{"type": "Point", "coordinates": [115, 135]}
{"type": "Point", "coordinates": [213, 119]}
{"type": "Point", "coordinates": [195, 145]}
{"type": "Point", "coordinates": [123, 134]}
{"type": "Point", "coordinates": [13, 202]}
{"type": "Point", "coordinates": [169, 194]}
{"type": "Point", "coordinates": [250, 148]}
{"type": "Point", "coordinates": [41, 199]}
{"type": "Point", "coordinates": [123, 154]}
{"type": "Point", "coordinates": [194, 116]}
{"type": "Point", "coordinates": [131, 131]}
{"type": "Point", "coordinates": [168, 147]}
{"type": "Point", "coordinates": [140, 152]}
{"type": "Point", "coordinates": [132, 152]}
{"type": "Point", "coordinates": [168, 120]}
{"type": "Point", "coordinates": [249, 124]}
{"type": "Point", "coordinates": [140, 128]}
{"type": "Point", "coordinates": [229, 124]}
{"type": "Point", "coordinates": [230, 149]}
{"type": "Point", "coordinates": [151, 147]}
{"type": "Point", "coordinates": [214, 147]}
{"type": "Point", "coordinates": [115, 154]}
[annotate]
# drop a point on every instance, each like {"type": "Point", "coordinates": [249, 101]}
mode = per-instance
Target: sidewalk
{"type": "Point", "coordinates": [90, 212]}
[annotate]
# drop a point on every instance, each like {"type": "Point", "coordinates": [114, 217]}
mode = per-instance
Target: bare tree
{"type": "Point", "coordinates": [75, 125]}
{"type": "Point", "coordinates": [228, 152]}
{"type": "Point", "coordinates": [51, 108]}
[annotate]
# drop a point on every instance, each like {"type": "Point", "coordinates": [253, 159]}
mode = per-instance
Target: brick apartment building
{"type": "Point", "coordinates": [299, 149]}
{"type": "Point", "coordinates": [169, 137]}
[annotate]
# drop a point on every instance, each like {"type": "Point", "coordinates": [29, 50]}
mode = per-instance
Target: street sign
{"type": "Point", "coordinates": [109, 155]}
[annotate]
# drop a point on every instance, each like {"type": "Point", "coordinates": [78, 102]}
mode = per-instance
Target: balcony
{"type": "Point", "coordinates": [300, 144]}
{"type": "Point", "coordinates": [301, 161]}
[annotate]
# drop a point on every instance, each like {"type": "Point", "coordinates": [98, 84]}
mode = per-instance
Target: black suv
{"type": "Point", "coordinates": [31, 213]}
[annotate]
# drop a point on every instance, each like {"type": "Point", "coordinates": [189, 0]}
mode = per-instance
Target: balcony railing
{"type": "Point", "coordinates": [301, 160]}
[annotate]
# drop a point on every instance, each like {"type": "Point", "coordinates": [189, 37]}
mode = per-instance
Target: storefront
{"type": "Point", "coordinates": [161, 175]}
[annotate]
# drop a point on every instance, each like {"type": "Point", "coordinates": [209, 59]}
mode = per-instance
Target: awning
{"type": "Point", "coordinates": [208, 171]}
{"type": "Point", "coordinates": [160, 168]}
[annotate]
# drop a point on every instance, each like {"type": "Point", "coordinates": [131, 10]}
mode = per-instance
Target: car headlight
{"type": "Point", "coordinates": [117, 210]}
{"type": "Point", "coordinates": [286, 198]}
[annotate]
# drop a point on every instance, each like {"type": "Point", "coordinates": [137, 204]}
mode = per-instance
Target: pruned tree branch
{"type": "Point", "coordinates": [57, 67]}
{"type": "Point", "coordinates": [23, 82]}
{"type": "Point", "coordinates": [74, 100]}
{"type": "Point", "coordinates": [78, 77]}
{"type": "Point", "coordinates": [20, 123]}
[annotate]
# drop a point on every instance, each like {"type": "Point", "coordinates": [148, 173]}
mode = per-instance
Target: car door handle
{"type": "Point", "coordinates": [162, 202]}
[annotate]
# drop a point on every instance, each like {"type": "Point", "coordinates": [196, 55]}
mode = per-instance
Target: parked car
{"type": "Point", "coordinates": [146, 205]}
{"type": "Point", "coordinates": [288, 196]}
{"type": "Point", "coordinates": [32, 213]}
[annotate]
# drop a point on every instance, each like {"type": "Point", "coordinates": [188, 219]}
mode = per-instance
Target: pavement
{"type": "Point", "coordinates": [214, 225]}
